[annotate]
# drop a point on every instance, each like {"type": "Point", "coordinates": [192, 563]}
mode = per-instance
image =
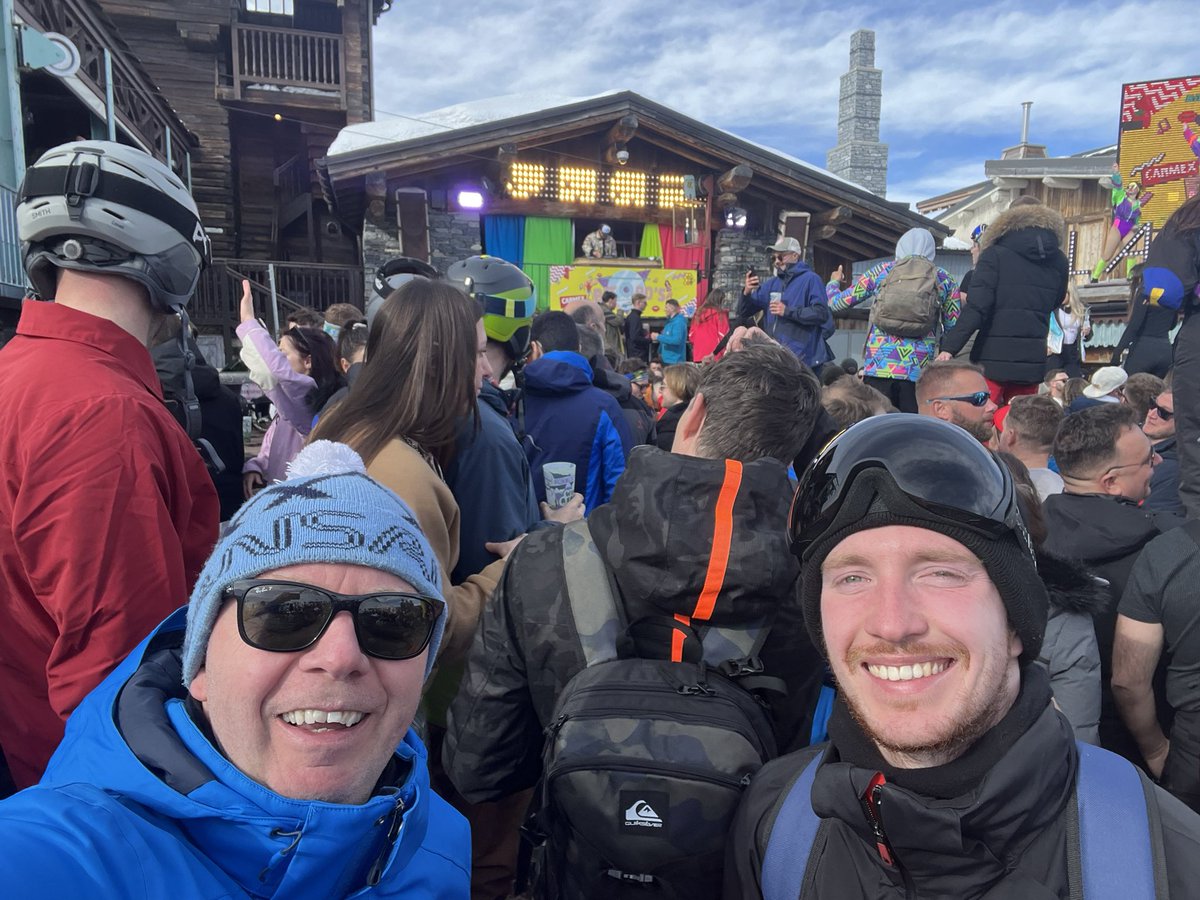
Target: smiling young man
{"type": "Point", "coordinates": [948, 772]}
{"type": "Point", "coordinates": [259, 742]}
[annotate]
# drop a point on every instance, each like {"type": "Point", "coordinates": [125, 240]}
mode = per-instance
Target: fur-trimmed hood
{"type": "Point", "coordinates": [1039, 217]}
{"type": "Point", "coordinates": [1071, 587]}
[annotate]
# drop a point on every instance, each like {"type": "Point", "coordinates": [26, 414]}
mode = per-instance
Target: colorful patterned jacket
{"type": "Point", "coordinates": [888, 356]}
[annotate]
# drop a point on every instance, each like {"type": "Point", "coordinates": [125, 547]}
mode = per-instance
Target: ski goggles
{"type": "Point", "coordinates": [283, 617]}
{"type": "Point", "coordinates": [919, 467]}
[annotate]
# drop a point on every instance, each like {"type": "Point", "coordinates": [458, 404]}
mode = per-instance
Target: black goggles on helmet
{"type": "Point", "coordinates": [921, 467]}
{"type": "Point", "coordinates": [283, 617]}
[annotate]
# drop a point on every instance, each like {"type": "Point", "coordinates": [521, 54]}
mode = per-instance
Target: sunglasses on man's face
{"type": "Point", "coordinates": [283, 617]}
{"type": "Point", "coordinates": [979, 398]}
{"type": "Point", "coordinates": [1163, 413]}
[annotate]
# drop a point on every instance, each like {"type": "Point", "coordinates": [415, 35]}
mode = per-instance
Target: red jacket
{"type": "Point", "coordinates": [106, 517]}
{"type": "Point", "coordinates": [708, 327]}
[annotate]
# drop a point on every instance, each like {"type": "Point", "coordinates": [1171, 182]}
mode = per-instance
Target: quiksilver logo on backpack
{"type": "Point", "coordinates": [643, 811]}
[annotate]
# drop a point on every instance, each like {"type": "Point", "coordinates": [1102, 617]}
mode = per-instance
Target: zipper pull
{"type": "Point", "coordinates": [556, 726]}
{"type": "Point", "coordinates": [872, 802]}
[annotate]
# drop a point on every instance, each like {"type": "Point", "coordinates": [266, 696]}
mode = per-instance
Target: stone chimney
{"type": "Point", "coordinates": [859, 156]}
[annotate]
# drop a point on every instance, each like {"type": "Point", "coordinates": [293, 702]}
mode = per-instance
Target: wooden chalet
{"type": "Point", "coordinates": [241, 96]}
{"type": "Point", "coordinates": [677, 193]}
{"type": "Point", "coordinates": [70, 102]}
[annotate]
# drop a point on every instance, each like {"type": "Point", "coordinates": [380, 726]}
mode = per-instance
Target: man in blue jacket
{"type": "Point", "coordinates": [259, 742]}
{"type": "Point", "coordinates": [799, 317]}
{"type": "Point", "coordinates": [567, 418]}
{"type": "Point", "coordinates": [672, 341]}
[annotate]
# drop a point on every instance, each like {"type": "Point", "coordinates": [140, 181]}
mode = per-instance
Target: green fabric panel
{"type": "Point", "coordinates": [548, 242]}
{"type": "Point", "coordinates": [540, 276]}
{"type": "Point", "coordinates": [651, 243]}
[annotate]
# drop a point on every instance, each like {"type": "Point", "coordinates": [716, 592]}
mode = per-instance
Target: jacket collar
{"type": "Point", "coordinates": [49, 320]}
{"type": "Point", "coordinates": [998, 798]}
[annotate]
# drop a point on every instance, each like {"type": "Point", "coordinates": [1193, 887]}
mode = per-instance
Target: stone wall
{"type": "Point", "coordinates": [378, 246]}
{"type": "Point", "coordinates": [453, 236]}
{"type": "Point", "coordinates": [735, 251]}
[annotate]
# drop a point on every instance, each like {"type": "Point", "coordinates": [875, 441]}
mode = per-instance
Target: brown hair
{"type": "Point", "coordinates": [1087, 439]}
{"type": "Point", "coordinates": [304, 316]}
{"type": "Point", "coordinates": [1073, 390]}
{"type": "Point", "coordinates": [419, 378]}
{"type": "Point", "coordinates": [340, 314]}
{"type": "Point", "coordinates": [760, 401]}
{"type": "Point", "coordinates": [849, 401]}
{"type": "Point", "coordinates": [1034, 419]}
{"type": "Point", "coordinates": [682, 379]}
{"type": "Point", "coordinates": [1140, 391]}
{"type": "Point", "coordinates": [1028, 500]}
{"type": "Point", "coordinates": [937, 377]}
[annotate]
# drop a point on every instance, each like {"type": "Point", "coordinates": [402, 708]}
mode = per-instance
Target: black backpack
{"type": "Point", "coordinates": [645, 759]}
{"type": "Point", "coordinates": [908, 302]}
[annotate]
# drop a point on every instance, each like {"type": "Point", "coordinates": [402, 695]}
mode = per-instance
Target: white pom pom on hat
{"type": "Point", "coordinates": [325, 458]}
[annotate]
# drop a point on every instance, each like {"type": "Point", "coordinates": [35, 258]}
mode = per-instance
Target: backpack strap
{"type": "Point", "coordinates": [792, 834]}
{"type": "Point", "coordinates": [1115, 847]}
{"type": "Point", "coordinates": [589, 594]}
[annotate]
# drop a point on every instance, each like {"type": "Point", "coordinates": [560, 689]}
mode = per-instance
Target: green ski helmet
{"type": "Point", "coordinates": [507, 297]}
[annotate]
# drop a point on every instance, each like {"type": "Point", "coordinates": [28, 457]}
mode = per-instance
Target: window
{"type": "Point", "coordinates": [273, 7]}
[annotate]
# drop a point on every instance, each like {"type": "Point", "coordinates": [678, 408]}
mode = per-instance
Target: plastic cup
{"type": "Point", "coordinates": [560, 483]}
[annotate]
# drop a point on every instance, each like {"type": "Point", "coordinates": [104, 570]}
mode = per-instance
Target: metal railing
{"type": "Point", "coordinates": [319, 286]}
{"type": "Point", "coordinates": [12, 272]}
{"type": "Point", "coordinates": [285, 57]}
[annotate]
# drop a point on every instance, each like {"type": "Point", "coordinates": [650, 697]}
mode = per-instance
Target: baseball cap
{"type": "Point", "coordinates": [786, 245]}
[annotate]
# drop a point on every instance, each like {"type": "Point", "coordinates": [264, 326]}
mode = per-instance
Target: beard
{"type": "Point", "coordinates": [990, 700]}
{"type": "Point", "coordinates": [982, 430]}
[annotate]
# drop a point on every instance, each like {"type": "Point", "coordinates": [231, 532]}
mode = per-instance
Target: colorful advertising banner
{"type": "Point", "coordinates": [588, 282]}
{"type": "Point", "coordinates": [1160, 143]}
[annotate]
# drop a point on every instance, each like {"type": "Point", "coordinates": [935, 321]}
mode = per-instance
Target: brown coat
{"type": "Point", "coordinates": [403, 470]}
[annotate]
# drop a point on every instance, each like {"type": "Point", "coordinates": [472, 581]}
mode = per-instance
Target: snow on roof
{"type": "Point", "coordinates": [953, 243]}
{"type": "Point", "coordinates": [398, 129]}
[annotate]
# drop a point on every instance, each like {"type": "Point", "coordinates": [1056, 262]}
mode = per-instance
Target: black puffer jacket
{"type": "Point", "coordinates": [988, 826]}
{"type": "Point", "coordinates": [1021, 278]}
{"type": "Point", "coordinates": [658, 537]}
{"type": "Point", "coordinates": [1105, 535]}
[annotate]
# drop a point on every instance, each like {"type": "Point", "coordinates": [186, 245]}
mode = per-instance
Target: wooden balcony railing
{"type": "Point", "coordinates": [308, 61]}
{"type": "Point", "coordinates": [219, 292]}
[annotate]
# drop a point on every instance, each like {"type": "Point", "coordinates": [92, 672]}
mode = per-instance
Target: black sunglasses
{"type": "Point", "coordinates": [1163, 413]}
{"type": "Point", "coordinates": [979, 398]}
{"type": "Point", "coordinates": [283, 617]}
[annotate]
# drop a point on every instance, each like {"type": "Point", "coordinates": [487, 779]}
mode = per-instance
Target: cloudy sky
{"type": "Point", "coordinates": [954, 74]}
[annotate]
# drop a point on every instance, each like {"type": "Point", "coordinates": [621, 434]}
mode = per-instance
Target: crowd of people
{"type": "Point", "coordinates": [518, 603]}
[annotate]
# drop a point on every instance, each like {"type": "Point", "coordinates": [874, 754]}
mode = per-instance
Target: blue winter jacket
{"type": "Point", "coordinates": [567, 419]}
{"type": "Point", "coordinates": [489, 477]}
{"type": "Point", "coordinates": [806, 323]}
{"type": "Point", "coordinates": [137, 803]}
{"type": "Point", "coordinates": [672, 343]}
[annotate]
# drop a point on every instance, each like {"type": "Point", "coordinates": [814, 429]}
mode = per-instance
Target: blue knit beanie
{"type": "Point", "coordinates": [327, 511]}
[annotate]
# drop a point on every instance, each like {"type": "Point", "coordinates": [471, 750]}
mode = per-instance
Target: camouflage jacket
{"type": "Point", "coordinates": [597, 245]}
{"type": "Point", "coordinates": [657, 539]}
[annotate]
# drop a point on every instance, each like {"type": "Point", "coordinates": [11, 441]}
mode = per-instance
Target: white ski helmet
{"type": "Point", "coordinates": [99, 206]}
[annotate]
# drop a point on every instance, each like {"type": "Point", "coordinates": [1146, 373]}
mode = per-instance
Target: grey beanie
{"type": "Point", "coordinates": [327, 511]}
